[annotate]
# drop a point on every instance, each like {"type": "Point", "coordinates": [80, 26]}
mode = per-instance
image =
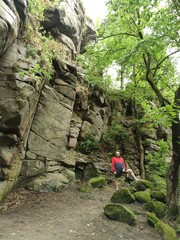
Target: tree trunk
{"type": "Point", "coordinates": [140, 143]}
{"type": "Point", "coordinates": [141, 151]}
{"type": "Point", "coordinates": [173, 173]}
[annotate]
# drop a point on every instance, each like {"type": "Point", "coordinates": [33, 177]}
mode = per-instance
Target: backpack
{"type": "Point", "coordinates": [118, 167]}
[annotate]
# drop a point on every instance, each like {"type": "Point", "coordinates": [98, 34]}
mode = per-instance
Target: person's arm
{"type": "Point", "coordinates": [113, 165]}
{"type": "Point", "coordinates": [124, 164]}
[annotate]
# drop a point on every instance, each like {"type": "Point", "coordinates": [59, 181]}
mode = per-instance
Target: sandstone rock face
{"type": "Point", "coordinates": [13, 17]}
{"type": "Point", "coordinates": [39, 126]}
{"type": "Point", "coordinates": [67, 24]}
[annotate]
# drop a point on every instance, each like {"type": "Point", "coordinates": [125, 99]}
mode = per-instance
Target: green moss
{"type": "Point", "coordinates": [159, 182]}
{"type": "Point", "coordinates": [97, 182]}
{"type": "Point", "coordinates": [143, 196]}
{"type": "Point", "coordinates": [123, 195]}
{"type": "Point", "coordinates": [166, 231]}
{"type": "Point", "coordinates": [142, 185]}
{"type": "Point", "coordinates": [119, 213]}
{"type": "Point", "coordinates": [85, 188]}
{"type": "Point", "coordinates": [159, 195]}
{"type": "Point", "coordinates": [152, 219]}
{"type": "Point", "coordinates": [157, 207]}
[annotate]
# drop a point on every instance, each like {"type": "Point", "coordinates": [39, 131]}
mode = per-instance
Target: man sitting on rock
{"type": "Point", "coordinates": [119, 167]}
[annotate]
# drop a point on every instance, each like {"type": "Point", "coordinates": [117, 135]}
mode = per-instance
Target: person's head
{"type": "Point", "coordinates": [118, 153]}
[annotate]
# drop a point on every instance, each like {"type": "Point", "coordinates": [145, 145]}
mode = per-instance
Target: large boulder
{"type": "Point", "coordinates": [156, 207]}
{"type": "Point", "coordinates": [65, 23]}
{"type": "Point", "coordinates": [119, 213]}
{"type": "Point", "coordinates": [167, 232]}
{"type": "Point", "coordinates": [123, 195]}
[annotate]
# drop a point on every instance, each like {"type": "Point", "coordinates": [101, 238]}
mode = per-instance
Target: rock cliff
{"type": "Point", "coordinates": [41, 121]}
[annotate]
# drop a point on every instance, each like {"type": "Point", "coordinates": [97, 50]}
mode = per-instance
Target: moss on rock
{"type": "Point", "coordinates": [159, 195]}
{"type": "Point", "coordinates": [97, 182]}
{"type": "Point", "coordinates": [119, 213]}
{"type": "Point", "coordinates": [123, 195]}
{"type": "Point", "coordinates": [143, 196]}
{"type": "Point", "coordinates": [166, 231]}
{"type": "Point", "coordinates": [142, 185]}
{"type": "Point", "coordinates": [157, 207]}
{"type": "Point", "coordinates": [152, 219]}
{"type": "Point", "coordinates": [85, 188]}
{"type": "Point", "coordinates": [159, 182]}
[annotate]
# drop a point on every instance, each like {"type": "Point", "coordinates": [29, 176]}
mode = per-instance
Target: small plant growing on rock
{"type": "Point", "coordinates": [89, 144]}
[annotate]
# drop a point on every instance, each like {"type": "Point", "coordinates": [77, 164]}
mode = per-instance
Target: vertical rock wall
{"type": "Point", "coordinates": [42, 121]}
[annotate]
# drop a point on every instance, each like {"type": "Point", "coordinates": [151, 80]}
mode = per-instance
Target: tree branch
{"type": "Point", "coordinates": [117, 34]}
{"type": "Point", "coordinates": [158, 65]}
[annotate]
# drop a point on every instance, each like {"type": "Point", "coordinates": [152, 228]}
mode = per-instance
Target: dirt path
{"type": "Point", "coordinates": [68, 215]}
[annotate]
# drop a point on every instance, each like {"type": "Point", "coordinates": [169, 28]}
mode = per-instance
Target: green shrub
{"type": "Point", "coordinates": [89, 144]}
{"type": "Point", "coordinates": [113, 136]}
{"type": "Point", "coordinates": [156, 161]}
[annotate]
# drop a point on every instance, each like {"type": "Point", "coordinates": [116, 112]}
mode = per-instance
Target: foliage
{"type": "Point", "coordinates": [156, 162]}
{"type": "Point", "coordinates": [39, 43]}
{"type": "Point", "coordinates": [133, 38]}
{"type": "Point", "coordinates": [113, 136]}
{"type": "Point", "coordinates": [88, 144]}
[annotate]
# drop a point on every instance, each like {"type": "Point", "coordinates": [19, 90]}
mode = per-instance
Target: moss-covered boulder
{"type": "Point", "coordinates": [119, 213]}
{"type": "Point", "coordinates": [142, 196]}
{"type": "Point", "coordinates": [164, 229]}
{"type": "Point", "coordinates": [123, 195]}
{"type": "Point", "coordinates": [159, 195]}
{"type": "Point", "coordinates": [159, 182]}
{"type": "Point", "coordinates": [152, 219]}
{"type": "Point", "coordinates": [142, 185]}
{"type": "Point", "coordinates": [97, 182]}
{"type": "Point", "coordinates": [157, 207]}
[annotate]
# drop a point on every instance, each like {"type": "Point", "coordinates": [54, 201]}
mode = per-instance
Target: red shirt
{"type": "Point", "coordinates": [115, 160]}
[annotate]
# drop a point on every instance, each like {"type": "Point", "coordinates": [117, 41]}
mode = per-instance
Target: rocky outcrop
{"type": "Point", "coordinates": [42, 121]}
{"type": "Point", "coordinates": [67, 25]}
{"type": "Point", "coordinates": [13, 17]}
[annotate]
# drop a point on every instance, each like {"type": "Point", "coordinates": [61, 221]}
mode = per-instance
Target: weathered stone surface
{"type": "Point", "coordinates": [6, 156]}
{"type": "Point", "coordinates": [72, 142]}
{"type": "Point", "coordinates": [13, 17]}
{"type": "Point", "coordinates": [50, 127]}
{"type": "Point", "coordinates": [11, 178]}
{"type": "Point", "coordinates": [67, 19]}
{"type": "Point", "coordinates": [51, 182]}
{"type": "Point", "coordinates": [89, 34]}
